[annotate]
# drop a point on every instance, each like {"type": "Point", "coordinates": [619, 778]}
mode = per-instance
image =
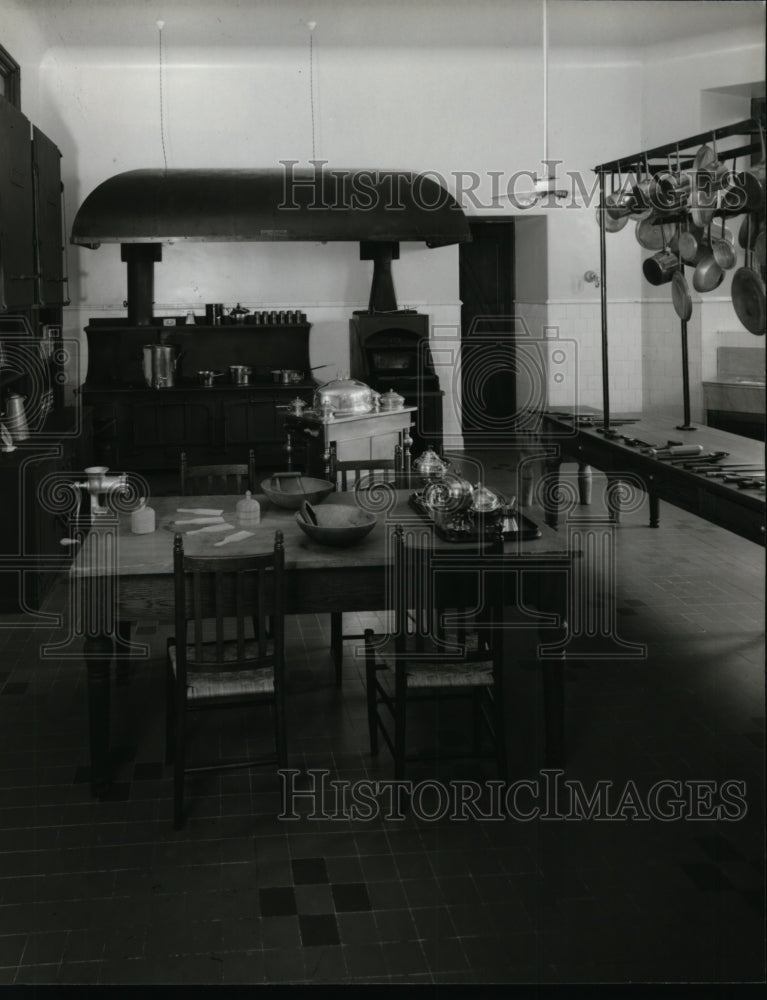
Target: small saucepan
{"type": "Point", "coordinates": [206, 377]}
{"type": "Point", "coordinates": [287, 376]}
{"type": "Point", "coordinates": [239, 374]}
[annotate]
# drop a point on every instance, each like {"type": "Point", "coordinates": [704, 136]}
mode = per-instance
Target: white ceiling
{"type": "Point", "coordinates": [622, 23]}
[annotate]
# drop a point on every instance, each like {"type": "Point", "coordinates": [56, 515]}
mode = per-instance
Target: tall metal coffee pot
{"type": "Point", "coordinates": [159, 365]}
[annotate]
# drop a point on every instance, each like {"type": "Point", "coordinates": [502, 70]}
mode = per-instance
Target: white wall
{"type": "Point", "coordinates": [699, 84]}
{"type": "Point", "coordinates": [444, 87]}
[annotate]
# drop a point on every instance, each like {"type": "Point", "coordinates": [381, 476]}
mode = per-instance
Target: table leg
{"type": "Point", "coordinates": [337, 644]}
{"type": "Point", "coordinates": [613, 498]}
{"type": "Point", "coordinates": [551, 466]}
{"type": "Point", "coordinates": [123, 660]}
{"type": "Point", "coordinates": [98, 652]}
{"type": "Point", "coordinates": [554, 711]}
{"type": "Point", "coordinates": [584, 483]}
{"type": "Point", "coordinates": [654, 509]}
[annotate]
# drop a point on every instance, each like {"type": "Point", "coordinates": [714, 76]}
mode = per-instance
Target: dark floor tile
{"type": "Point", "coordinates": [41, 974]}
{"type": "Point", "coordinates": [12, 948]}
{"type": "Point", "coordinates": [365, 960]}
{"type": "Point", "coordinates": [318, 929]}
{"type": "Point", "coordinates": [357, 928]}
{"type": "Point", "coordinates": [146, 771]}
{"type": "Point", "coordinates": [281, 932]}
{"type": "Point", "coordinates": [395, 925]}
{"type": "Point", "coordinates": [279, 901]}
{"type": "Point", "coordinates": [43, 948]}
{"type": "Point", "coordinates": [350, 897]}
{"type": "Point", "coordinates": [387, 896]}
{"type": "Point", "coordinates": [344, 869]}
{"type": "Point", "coordinates": [15, 688]}
{"type": "Point", "coordinates": [314, 899]}
{"type": "Point", "coordinates": [707, 878]}
{"type": "Point", "coordinates": [433, 922]}
{"type": "Point", "coordinates": [284, 965]}
{"type": "Point", "coordinates": [423, 891]}
{"type": "Point", "coordinates": [79, 973]}
{"type": "Point", "coordinates": [309, 871]}
{"type": "Point", "coordinates": [324, 964]}
{"type": "Point", "coordinates": [404, 957]}
{"type": "Point", "coordinates": [243, 967]}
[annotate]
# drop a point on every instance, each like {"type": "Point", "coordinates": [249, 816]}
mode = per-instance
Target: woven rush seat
{"type": "Point", "coordinates": [464, 672]}
{"type": "Point", "coordinates": [201, 684]}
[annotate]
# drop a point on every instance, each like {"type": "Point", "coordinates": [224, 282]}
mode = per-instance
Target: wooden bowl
{"type": "Point", "coordinates": [291, 493]}
{"type": "Point", "coordinates": [338, 524]}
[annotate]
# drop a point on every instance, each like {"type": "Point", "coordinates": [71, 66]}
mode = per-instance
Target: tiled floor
{"type": "Point", "coordinates": [107, 892]}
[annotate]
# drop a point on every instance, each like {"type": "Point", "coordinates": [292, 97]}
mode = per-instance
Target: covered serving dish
{"type": "Point", "coordinates": [429, 464]}
{"type": "Point", "coordinates": [392, 400]}
{"type": "Point", "coordinates": [346, 396]}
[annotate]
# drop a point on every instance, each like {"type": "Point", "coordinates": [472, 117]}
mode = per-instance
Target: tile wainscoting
{"type": "Point", "coordinates": [575, 327]}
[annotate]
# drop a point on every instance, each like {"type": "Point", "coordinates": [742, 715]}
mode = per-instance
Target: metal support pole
{"type": "Point", "coordinates": [603, 297]}
{"type": "Point", "coordinates": [686, 426]}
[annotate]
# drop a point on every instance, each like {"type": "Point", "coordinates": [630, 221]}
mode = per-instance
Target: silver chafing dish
{"type": "Point", "coordinates": [345, 396]}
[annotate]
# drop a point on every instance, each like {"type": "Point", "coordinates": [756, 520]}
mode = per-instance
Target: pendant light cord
{"type": "Point", "coordinates": [311, 84]}
{"type": "Point", "coordinates": [160, 26]}
{"type": "Point", "coordinates": [546, 86]}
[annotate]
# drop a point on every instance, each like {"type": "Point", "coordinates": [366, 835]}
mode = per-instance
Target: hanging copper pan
{"type": "Point", "coordinates": [708, 176]}
{"type": "Point", "coordinates": [748, 293]}
{"type": "Point", "coordinates": [723, 248]}
{"type": "Point", "coordinates": [748, 299]}
{"type": "Point", "coordinates": [611, 225]}
{"type": "Point", "coordinates": [759, 250]}
{"type": "Point", "coordinates": [680, 295]}
{"type": "Point", "coordinates": [653, 234]}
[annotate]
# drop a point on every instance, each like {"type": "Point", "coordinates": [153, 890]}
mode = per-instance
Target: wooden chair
{"type": "Point", "coordinates": [208, 667]}
{"type": "Point", "coordinates": [356, 475]}
{"type": "Point", "coordinates": [206, 479]}
{"type": "Point", "coordinates": [439, 650]}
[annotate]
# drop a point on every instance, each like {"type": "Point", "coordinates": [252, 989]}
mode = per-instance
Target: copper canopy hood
{"type": "Point", "coordinates": [142, 209]}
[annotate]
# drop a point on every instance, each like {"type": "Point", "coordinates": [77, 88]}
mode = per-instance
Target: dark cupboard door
{"type": "Point", "coordinates": [46, 166]}
{"type": "Point", "coordinates": [161, 431]}
{"type": "Point", "coordinates": [249, 421]}
{"type": "Point", "coordinates": [17, 252]}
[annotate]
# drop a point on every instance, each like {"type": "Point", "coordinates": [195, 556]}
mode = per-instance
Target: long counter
{"type": "Point", "coordinates": [568, 437]}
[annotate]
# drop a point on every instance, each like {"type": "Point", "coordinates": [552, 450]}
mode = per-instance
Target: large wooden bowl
{"type": "Point", "coordinates": [291, 492]}
{"type": "Point", "coordinates": [337, 524]}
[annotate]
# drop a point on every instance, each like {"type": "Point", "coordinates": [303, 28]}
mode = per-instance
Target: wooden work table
{"type": "Point", "coordinates": [118, 577]}
{"type": "Point", "coordinates": [568, 438]}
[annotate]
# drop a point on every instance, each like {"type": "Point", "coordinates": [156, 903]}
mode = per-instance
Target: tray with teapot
{"type": "Point", "coordinates": [462, 513]}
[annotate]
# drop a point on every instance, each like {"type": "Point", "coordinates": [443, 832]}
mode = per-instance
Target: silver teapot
{"type": "Point", "coordinates": [450, 494]}
{"type": "Point", "coordinates": [430, 465]}
{"type": "Point", "coordinates": [487, 505]}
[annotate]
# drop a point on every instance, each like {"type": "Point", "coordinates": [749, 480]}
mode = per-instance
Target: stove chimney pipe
{"type": "Point", "coordinates": [140, 258]}
{"type": "Point", "coordinates": [382, 296]}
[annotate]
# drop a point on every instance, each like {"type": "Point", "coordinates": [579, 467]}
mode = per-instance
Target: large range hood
{"type": "Point", "coordinates": [142, 209]}
{"type": "Point", "coordinates": [164, 206]}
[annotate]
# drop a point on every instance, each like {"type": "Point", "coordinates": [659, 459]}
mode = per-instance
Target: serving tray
{"type": "Point", "coordinates": [515, 525]}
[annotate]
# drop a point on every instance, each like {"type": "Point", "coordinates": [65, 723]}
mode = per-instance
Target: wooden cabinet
{"type": "Point", "coordinates": [17, 247]}
{"type": "Point", "coordinates": [145, 430]}
{"type": "Point", "coordinates": [367, 436]}
{"type": "Point", "coordinates": [33, 523]}
{"type": "Point", "coordinates": [32, 291]}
